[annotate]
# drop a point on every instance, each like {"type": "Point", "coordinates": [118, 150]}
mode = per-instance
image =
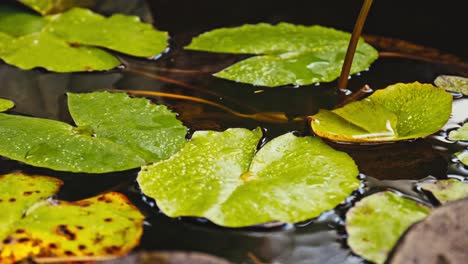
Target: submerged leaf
{"type": "Point", "coordinates": [290, 54]}
{"type": "Point", "coordinates": [217, 175]}
{"type": "Point", "coordinates": [107, 224]}
{"type": "Point", "coordinates": [456, 84]}
{"type": "Point", "coordinates": [375, 223]}
{"type": "Point", "coordinates": [114, 133]}
{"type": "Point", "coordinates": [45, 7]}
{"type": "Point", "coordinates": [69, 42]}
{"type": "Point", "coordinates": [459, 134]}
{"type": "Point", "coordinates": [6, 104]}
{"type": "Point", "coordinates": [398, 112]}
{"type": "Point", "coordinates": [446, 190]}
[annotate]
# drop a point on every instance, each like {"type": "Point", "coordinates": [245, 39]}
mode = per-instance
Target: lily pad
{"type": "Point", "coordinates": [459, 134]}
{"type": "Point", "coordinates": [398, 112]}
{"type": "Point", "coordinates": [6, 104]}
{"type": "Point", "coordinates": [375, 223]}
{"type": "Point", "coordinates": [107, 224]}
{"type": "Point", "coordinates": [218, 175]}
{"type": "Point", "coordinates": [71, 41]}
{"type": "Point", "coordinates": [46, 7]}
{"type": "Point", "coordinates": [450, 83]}
{"type": "Point", "coordinates": [114, 132]}
{"type": "Point", "coordinates": [463, 157]}
{"type": "Point", "coordinates": [288, 54]}
{"type": "Point", "coordinates": [446, 190]}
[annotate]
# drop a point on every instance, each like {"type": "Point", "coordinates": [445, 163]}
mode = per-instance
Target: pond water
{"type": "Point", "coordinates": [178, 72]}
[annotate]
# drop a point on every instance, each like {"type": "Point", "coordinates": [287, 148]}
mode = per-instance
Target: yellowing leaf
{"type": "Point", "coordinates": [398, 112]}
{"type": "Point", "coordinates": [450, 83]}
{"type": "Point", "coordinates": [446, 190]}
{"type": "Point", "coordinates": [107, 224]}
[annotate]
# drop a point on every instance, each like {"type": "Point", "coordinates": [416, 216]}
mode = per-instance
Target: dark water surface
{"type": "Point", "coordinates": [394, 166]}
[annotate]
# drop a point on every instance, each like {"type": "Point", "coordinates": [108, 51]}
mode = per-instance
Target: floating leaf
{"type": "Point", "coordinates": [114, 133]}
{"type": "Point", "coordinates": [107, 224]}
{"type": "Point", "coordinates": [375, 223]}
{"type": "Point", "coordinates": [446, 190]}
{"type": "Point", "coordinates": [459, 134]}
{"type": "Point", "coordinates": [217, 175]}
{"type": "Point", "coordinates": [463, 157]}
{"type": "Point", "coordinates": [6, 105]}
{"type": "Point", "coordinates": [69, 42]}
{"type": "Point", "coordinates": [45, 7]}
{"type": "Point", "coordinates": [289, 54]}
{"type": "Point", "coordinates": [450, 83]}
{"type": "Point", "coordinates": [398, 112]}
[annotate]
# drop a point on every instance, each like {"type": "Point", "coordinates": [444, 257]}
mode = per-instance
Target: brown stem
{"type": "Point", "coordinates": [345, 70]}
{"type": "Point", "coordinates": [358, 95]}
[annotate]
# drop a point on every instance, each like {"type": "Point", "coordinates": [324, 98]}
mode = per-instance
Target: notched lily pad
{"type": "Point", "coordinates": [459, 134]}
{"type": "Point", "coordinates": [446, 190]}
{"type": "Point", "coordinates": [6, 104]}
{"type": "Point", "coordinates": [114, 132]}
{"type": "Point", "coordinates": [462, 156]}
{"type": "Point", "coordinates": [450, 83]}
{"type": "Point", "coordinates": [71, 41]}
{"type": "Point", "coordinates": [288, 54]}
{"type": "Point", "coordinates": [398, 112]}
{"type": "Point", "coordinates": [107, 224]}
{"type": "Point", "coordinates": [375, 223]}
{"type": "Point", "coordinates": [218, 175]}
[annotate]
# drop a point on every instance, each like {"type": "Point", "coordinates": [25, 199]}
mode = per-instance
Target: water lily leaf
{"type": "Point", "coordinates": [459, 134]}
{"type": "Point", "coordinates": [45, 7]}
{"type": "Point", "coordinates": [107, 224]}
{"type": "Point", "coordinates": [217, 175]}
{"type": "Point", "coordinates": [398, 112]}
{"type": "Point", "coordinates": [450, 83]}
{"type": "Point", "coordinates": [446, 190]}
{"type": "Point", "coordinates": [375, 223]}
{"type": "Point", "coordinates": [114, 133]}
{"type": "Point", "coordinates": [15, 23]}
{"type": "Point", "coordinates": [290, 54]}
{"type": "Point", "coordinates": [6, 104]}
{"type": "Point", "coordinates": [69, 42]}
{"type": "Point", "coordinates": [463, 157]}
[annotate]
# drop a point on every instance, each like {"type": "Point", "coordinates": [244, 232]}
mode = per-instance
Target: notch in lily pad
{"type": "Point", "coordinates": [221, 176]}
{"type": "Point", "coordinates": [285, 53]}
{"type": "Point", "coordinates": [398, 112]}
{"type": "Point", "coordinates": [113, 132]}
{"type": "Point", "coordinates": [33, 227]}
{"type": "Point", "coordinates": [72, 41]}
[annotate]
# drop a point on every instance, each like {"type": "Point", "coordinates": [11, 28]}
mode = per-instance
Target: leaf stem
{"type": "Point", "coordinates": [345, 70]}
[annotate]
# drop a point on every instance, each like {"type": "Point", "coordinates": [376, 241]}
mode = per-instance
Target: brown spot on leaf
{"type": "Point", "coordinates": [23, 240]}
{"type": "Point", "coordinates": [74, 45]}
{"type": "Point", "coordinates": [81, 247]}
{"type": "Point", "coordinates": [53, 246]}
{"type": "Point", "coordinates": [112, 250]}
{"type": "Point", "coordinates": [69, 253]}
{"type": "Point", "coordinates": [79, 227]}
{"type": "Point", "coordinates": [7, 240]}
{"type": "Point", "coordinates": [64, 231]}
{"type": "Point", "coordinates": [19, 231]}
{"type": "Point", "coordinates": [108, 220]}
{"type": "Point", "coordinates": [12, 200]}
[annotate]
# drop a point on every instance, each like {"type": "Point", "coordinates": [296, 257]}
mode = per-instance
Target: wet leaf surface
{"type": "Point", "coordinates": [446, 190]}
{"type": "Point", "coordinates": [5, 105]}
{"type": "Point", "coordinates": [114, 132]}
{"type": "Point", "coordinates": [107, 224]}
{"type": "Point", "coordinates": [45, 7]}
{"type": "Point", "coordinates": [460, 133]}
{"type": "Point", "coordinates": [218, 175]}
{"type": "Point", "coordinates": [375, 223]}
{"type": "Point", "coordinates": [398, 112]}
{"type": "Point", "coordinates": [450, 83]}
{"type": "Point", "coordinates": [288, 54]}
{"type": "Point", "coordinates": [440, 238]}
{"type": "Point", "coordinates": [69, 42]}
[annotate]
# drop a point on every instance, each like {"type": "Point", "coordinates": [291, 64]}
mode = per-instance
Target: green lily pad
{"type": "Point", "coordinates": [398, 112]}
{"type": "Point", "coordinates": [6, 104]}
{"type": "Point", "coordinates": [375, 223]}
{"type": "Point", "coordinates": [446, 190]}
{"type": "Point", "coordinates": [107, 224]}
{"type": "Point", "coordinates": [459, 134]}
{"type": "Point", "coordinates": [289, 54]}
{"type": "Point", "coordinates": [71, 41]}
{"type": "Point", "coordinates": [114, 132]}
{"type": "Point", "coordinates": [218, 175]}
{"type": "Point", "coordinates": [463, 157]}
{"type": "Point", "coordinates": [46, 7]}
{"type": "Point", "coordinates": [450, 83]}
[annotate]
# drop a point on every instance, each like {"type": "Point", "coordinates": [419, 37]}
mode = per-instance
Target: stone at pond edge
{"type": "Point", "coordinates": [441, 238]}
{"type": "Point", "coordinates": [164, 257]}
